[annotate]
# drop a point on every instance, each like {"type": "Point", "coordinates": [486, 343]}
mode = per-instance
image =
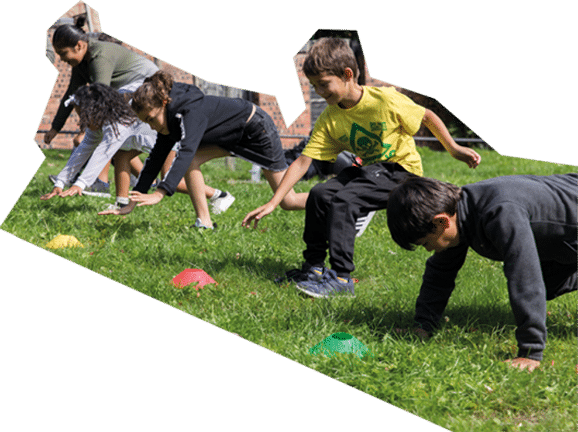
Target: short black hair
{"type": "Point", "coordinates": [412, 205]}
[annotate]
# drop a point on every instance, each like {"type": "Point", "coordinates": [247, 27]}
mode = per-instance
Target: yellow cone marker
{"type": "Point", "coordinates": [62, 241]}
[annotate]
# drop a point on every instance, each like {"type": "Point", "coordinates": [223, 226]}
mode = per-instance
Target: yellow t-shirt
{"type": "Point", "coordinates": [379, 128]}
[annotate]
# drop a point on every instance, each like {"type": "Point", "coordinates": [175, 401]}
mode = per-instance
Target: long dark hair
{"type": "Point", "coordinates": [411, 208]}
{"type": "Point", "coordinates": [68, 35]}
{"type": "Point", "coordinates": [99, 105]}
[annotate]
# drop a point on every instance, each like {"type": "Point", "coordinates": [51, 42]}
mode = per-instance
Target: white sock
{"type": "Point", "coordinates": [122, 200]}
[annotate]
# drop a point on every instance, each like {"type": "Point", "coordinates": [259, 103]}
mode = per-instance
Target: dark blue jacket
{"type": "Point", "coordinates": [529, 223]}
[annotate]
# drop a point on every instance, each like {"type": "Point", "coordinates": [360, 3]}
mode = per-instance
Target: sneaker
{"type": "Point", "coordinates": [115, 206]}
{"type": "Point", "coordinates": [305, 273]}
{"type": "Point", "coordinates": [98, 189]}
{"type": "Point", "coordinates": [221, 204]}
{"type": "Point", "coordinates": [362, 222]}
{"type": "Point", "coordinates": [329, 285]}
{"type": "Point", "coordinates": [199, 224]}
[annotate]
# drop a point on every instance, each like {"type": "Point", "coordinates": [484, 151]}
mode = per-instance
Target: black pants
{"type": "Point", "coordinates": [333, 207]}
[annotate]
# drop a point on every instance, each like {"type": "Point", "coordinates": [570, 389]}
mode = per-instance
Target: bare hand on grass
{"type": "Point", "coordinates": [73, 190]}
{"type": "Point", "coordinates": [121, 211]}
{"type": "Point", "coordinates": [419, 332]}
{"type": "Point", "coordinates": [257, 214]}
{"type": "Point", "coordinates": [523, 363]}
{"type": "Point", "coordinates": [55, 191]}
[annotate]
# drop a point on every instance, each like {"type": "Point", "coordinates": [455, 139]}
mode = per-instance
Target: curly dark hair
{"type": "Point", "coordinates": [153, 92]}
{"type": "Point", "coordinates": [99, 105]}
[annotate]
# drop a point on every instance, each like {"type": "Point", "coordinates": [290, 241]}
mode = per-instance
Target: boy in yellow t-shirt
{"type": "Point", "coordinates": [375, 123]}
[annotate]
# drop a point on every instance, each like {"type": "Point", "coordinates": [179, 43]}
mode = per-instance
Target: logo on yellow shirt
{"type": "Point", "coordinates": [377, 126]}
{"type": "Point", "coordinates": [368, 145]}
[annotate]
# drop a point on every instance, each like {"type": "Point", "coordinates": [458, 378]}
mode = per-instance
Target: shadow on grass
{"type": "Point", "coordinates": [123, 229]}
{"type": "Point", "coordinates": [268, 268]}
{"type": "Point", "coordinates": [64, 206]}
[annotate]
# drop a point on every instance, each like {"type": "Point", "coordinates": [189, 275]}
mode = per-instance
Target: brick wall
{"type": "Point", "coordinates": [291, 135]}
{"type": "Point", "coordinates": [64, 139]}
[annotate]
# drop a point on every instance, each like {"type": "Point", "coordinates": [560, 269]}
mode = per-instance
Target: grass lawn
{"type": "Point", "coordinates": [456, 379]}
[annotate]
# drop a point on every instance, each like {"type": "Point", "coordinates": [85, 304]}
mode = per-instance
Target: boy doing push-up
{"type": "Point", "coordinates": [528, 222]}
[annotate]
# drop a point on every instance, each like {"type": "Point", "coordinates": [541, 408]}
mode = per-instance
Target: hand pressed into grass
{"type": "Point", "coordinates": [523, 363]}
{"type": "Point", "coordinates": [419, 332]}
{"type": "Point", "coordinates": [55, 191]}
{"type": "Point", "coordinates": [72, 191]}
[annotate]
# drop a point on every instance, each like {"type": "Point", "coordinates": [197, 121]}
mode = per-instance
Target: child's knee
{"type": "Point", "coordinates": [320, 193]}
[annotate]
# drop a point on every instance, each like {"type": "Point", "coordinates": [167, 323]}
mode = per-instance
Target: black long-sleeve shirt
{"type": "Point", "coordinates": [193, 119]}
{"type": "Point", "coordinates": [524, 221]}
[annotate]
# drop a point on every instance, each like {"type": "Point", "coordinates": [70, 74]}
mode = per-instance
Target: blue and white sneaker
{"type": "Point", "coordinates": [199, 224]}
{"type": "Point", "coordinates": [305, 273]}
{"type": "Point", "coordinates": [329, 285]}
{"type": "Point", "coordinates": [98, 189]}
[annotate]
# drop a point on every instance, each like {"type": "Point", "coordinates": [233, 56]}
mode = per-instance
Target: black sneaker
{"type": "Point", "coordinates": [306, 273]}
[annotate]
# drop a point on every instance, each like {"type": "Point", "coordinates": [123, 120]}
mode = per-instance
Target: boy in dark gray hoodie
{"type": "Point", "coordinates": [529, 222]}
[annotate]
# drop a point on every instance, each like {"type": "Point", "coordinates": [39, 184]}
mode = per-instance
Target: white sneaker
{"type": "Point", "coordinates": [220, 205]}
{"type": "Point", "coordinates": [362, 222]}
{"type": "Point", "coordinates": [115, 206]}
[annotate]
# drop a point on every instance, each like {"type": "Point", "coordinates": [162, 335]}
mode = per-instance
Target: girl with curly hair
{"type": "Point", "coordinates": [109, 63]}
{"type": "Point", "coordinates": [206, 127]}
{"type": "Point", "coordinates": [102, 108]}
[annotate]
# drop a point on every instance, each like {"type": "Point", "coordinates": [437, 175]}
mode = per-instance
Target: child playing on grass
{"type": "Point", "coordinates": [77, 139]}
{"type": "Point", "coordinates": [375, 123]}
{"type": "Point", "coordinates": [528, 222]}
{"type": "Point", "coordinates": [98, 107]}
{"type": "Point", "coordinates": [100, 61]}
{"type": "Point", "coordinates": [92, 61]}
{"type": "Point", "coordinates": [101, 107]}
{"type": "Point", "coordinates": [207, 127]}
